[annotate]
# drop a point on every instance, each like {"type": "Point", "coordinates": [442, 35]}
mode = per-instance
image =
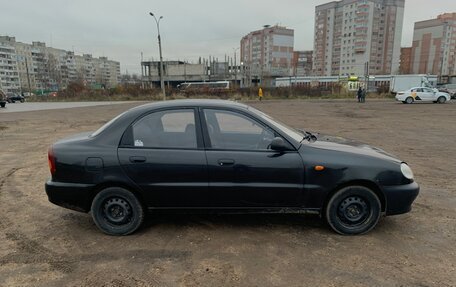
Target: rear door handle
{"type": "Point", "coordinates": [225, 162]}
{"type": "Point", "coordinates": [137, 159]}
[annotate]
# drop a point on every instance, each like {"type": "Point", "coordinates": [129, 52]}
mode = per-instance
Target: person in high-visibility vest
{"type": "Point", "coordinates": [260, 94]}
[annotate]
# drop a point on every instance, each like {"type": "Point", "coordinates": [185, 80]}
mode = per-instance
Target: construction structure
{"type": "Point", "coordinates": [351, 35]}
{"type": "Point", "coordinates": [434, 47]}
{"type": "Point", "coordinates": [178, 72]}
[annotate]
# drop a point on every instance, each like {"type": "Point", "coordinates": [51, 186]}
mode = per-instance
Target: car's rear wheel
{"type": "Point", "coordinates": [353, 210]}
{"type": "Point", "coordinates": [409, 100]}
{"type": "Point", "coordinates": [3, 104]}
{"type": "Point", "coordinates": [117, 211]}
{"type": "Point", "coordinates": [441, 100]}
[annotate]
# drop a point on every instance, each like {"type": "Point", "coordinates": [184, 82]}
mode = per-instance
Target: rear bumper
{"type": "Point", "coordinates": [399, 198]}
{"type": "Point", "coordinates": [73, 196]}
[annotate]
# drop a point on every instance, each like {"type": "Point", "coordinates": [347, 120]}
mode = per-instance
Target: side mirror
{"type": "Point", "coordinates": [278, 144]}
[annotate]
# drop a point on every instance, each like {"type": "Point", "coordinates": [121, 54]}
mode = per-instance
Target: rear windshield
{"type": "Point", "coordinates": [106, 125]}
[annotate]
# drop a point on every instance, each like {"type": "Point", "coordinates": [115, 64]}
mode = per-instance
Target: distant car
{"type": "Point", "coordinates": [449, 89]}
{"type": "Point", "coordinates": [422, 94]}
{"type": "Point", "coordinates": [2, 99]}
{"type": "Point", "coordinates": [13, 97]}
{"type": "Point", "coordinates": [226, 157]}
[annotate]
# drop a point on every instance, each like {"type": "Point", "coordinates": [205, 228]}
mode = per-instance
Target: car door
{"type": "Point", "coordinates": [428, 95]}
{"type": "Point", "coordinates": [162, 152]}
{"type": "Point", "coordinates": [243, 171]}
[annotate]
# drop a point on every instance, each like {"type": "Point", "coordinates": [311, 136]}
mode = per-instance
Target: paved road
{"type": "Point", "coordinates": [26, 107]}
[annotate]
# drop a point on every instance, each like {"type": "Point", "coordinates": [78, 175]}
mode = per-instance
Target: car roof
{"type": "Point", "coordinates": [191, 103]}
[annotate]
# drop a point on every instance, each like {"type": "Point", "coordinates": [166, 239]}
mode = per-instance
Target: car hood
{"type": "Point", "coordinates": [351, 146]}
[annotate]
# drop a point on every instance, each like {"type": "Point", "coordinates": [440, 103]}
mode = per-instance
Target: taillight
{"type": "Point", "coordinates": [51, 160]}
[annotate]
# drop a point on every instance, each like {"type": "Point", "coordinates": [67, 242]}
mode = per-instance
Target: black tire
{"type": "Point", "coordinates": [117, 211]}
{"type": "Point", "coordinates": [22, 100]}
{"type": "Point", "coordinates": [409, 100]}
{"type": "Point", "coordinates": [441, 100]}
{"type": "Point", "coordinates": [2, 104]}
{"type": "Point", "coordinates": [353, 210]}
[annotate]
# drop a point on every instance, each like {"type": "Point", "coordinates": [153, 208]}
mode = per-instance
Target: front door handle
{"type": "Point", "coordinates": [225, 162]}
{"type": "Point", "coordinates": [137, 159]}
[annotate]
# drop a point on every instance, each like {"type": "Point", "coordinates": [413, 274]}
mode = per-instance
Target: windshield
{"type": "Point", "coordinates": [297, 135]}
{"type": "Point", "coordinates": [100, 130]}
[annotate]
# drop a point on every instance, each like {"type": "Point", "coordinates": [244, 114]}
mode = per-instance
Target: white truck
{"type": "Point", "coordinates": [400, 83]}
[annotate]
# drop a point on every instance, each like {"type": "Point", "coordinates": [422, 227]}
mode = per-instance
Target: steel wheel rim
{"type": "Point", "coordinates": [117, 211]}
{"type": "Point", "coordinates": [353, 211]}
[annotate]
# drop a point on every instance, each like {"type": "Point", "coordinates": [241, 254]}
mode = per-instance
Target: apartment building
{"type": "Point", "coordinates": [107, 72]}
{"type": "Point", "coordinates": [9, 76]}
{"type": "Point", "coordinates": [302, 63]}
{"type": "Point", "coordinates": [434, 46]}
{"type": "Point", "coordinates": [36, 67]}
{"type": "Point", "coordinates": [268, 52]}
{"type": "Point", "coordinates": [350, 33]}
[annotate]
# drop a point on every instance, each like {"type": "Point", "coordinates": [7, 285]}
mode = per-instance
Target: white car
{"type": "Point", "coordinates": [422, 94]}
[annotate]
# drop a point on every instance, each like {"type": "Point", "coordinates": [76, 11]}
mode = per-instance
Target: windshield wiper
{"type": "Point", "coordinates": [308, 136]}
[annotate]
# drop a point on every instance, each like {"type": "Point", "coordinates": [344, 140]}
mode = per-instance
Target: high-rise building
{"type": "Point", "coordinates": [434, 46]}
{"type": "Point", "coordinates": [267, 53]}
{"type": "Point", "coordinates": [351, 33]}
{"type": "Point", "coordinates": [35, 67]}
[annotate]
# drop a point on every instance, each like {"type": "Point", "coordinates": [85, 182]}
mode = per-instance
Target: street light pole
{"type": "Point", "coordinates": [162, 82]}
{"type": "Point", "coordinates": [235, 67]}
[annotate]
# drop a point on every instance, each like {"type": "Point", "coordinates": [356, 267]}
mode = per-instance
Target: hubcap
{"type": "Point", "coordinates": [117, 211]}
{"type": "Point", "coordinates": [353, 210]}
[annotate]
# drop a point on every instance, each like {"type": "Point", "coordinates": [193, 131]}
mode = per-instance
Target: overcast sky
{"type": "Point", "coordinates": [121, 30]}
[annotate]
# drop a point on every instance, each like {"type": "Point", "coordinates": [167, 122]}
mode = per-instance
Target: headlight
{"type": "Point", "coordinates": [406, 171]}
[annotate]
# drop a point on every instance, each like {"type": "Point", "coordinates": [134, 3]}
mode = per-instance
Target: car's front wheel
{"type": "Point", "coordinates": [117, 211]}
{"type": "Point", "coordinates": [353, 210]}
{"type": "Point", "coordinates": [441, 100]}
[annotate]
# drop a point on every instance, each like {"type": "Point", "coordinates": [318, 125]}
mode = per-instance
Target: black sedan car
{"type": "Point", "coordinates": [225, 157]}
{"type": "Point", "coordinates": [13, 97]}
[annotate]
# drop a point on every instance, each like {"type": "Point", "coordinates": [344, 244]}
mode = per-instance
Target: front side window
{"type": "Point", "coordinates": [166, 129]}
{"type": "Point", "coordinates": [234, 131]}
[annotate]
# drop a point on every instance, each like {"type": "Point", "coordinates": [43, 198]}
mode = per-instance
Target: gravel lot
{"type": "Point", "coordinates": [45, 245]}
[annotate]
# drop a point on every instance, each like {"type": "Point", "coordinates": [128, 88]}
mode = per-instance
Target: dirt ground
{"type": "Point", "coordinates": [45, 245]}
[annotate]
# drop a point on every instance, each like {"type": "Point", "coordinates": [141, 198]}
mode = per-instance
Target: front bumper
{"type": "Point", "coordinates": [399, 198]}
{"type": "Point", "coordinates": [73, 196]}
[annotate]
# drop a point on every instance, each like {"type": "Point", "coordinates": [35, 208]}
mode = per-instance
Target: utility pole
{"type": "Point", "coordinates": [366, 75]}
{"type": "Point", "coordinates": [162, 82]}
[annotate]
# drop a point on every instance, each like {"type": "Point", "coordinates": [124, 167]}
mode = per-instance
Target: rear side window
{"type": "Point", "coordinates": [166, 129]}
